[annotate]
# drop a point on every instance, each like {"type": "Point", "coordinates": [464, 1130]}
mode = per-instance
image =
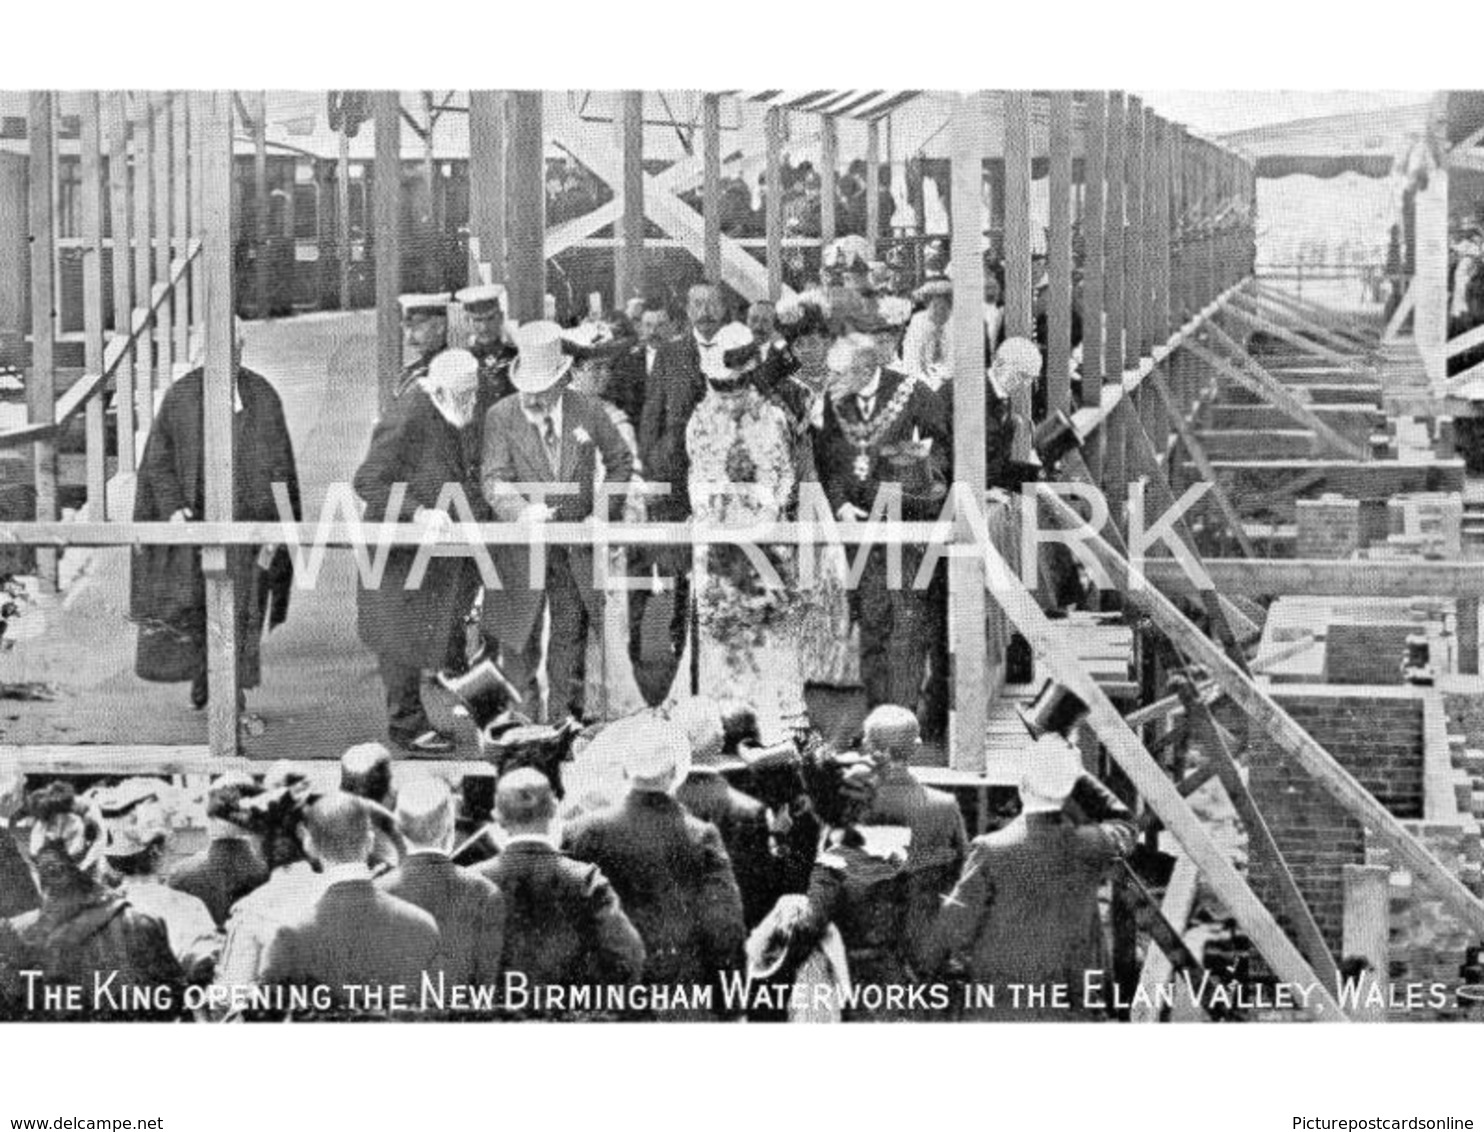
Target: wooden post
{"type": "Point", "coordinates": [968, 719]}
{"type": "Point", "coordinates": [164, 342]}
{"type": "Point", "coordinates": [342, 210]}
{"type": "Point", "coordinates": [711, 183]}
{"type": "Point", "coordinates": [181, 227]}
{"type": "Point", "coordinates": [1018, 281]}
{"type": "Point", "coordinates": [1162, 303]}
{"type": "Point", "coordinates": [1114, 352]}
{"type": "Point", "coordinates": [873, 183]}
{"type": "Point", "coordinates": [829, 160]}
{"type": "Point", "coordinates": [198, 143]}
{"type": "Point", "coordinates": [41, 393]}
{"type": "Point", "coordinates": [123, 280]}
{"type": "Point", "coordinates": [221, 615]}
{"type": "Point", "coordinates": [487, 178]}
{"type": "Point", "coordinates": [1135, 277]}
{"type": "Point", "coordinates": [144, 256]}
{"type": "Point", "coordinates": [386, 188]}
{"type": "Point", "coordinates": [260, 205]}
{"type": "Point", "coordinates": [1366, 928]}
{"type": "Point", "coordinates": [1094, 167]}
{"type": "Point", "coordinates": [525, 171]}
{"type": "Point", "coordinates": [1059, 257]}
{"type": "Point", "coordinates": [629, 276]}
{"type": "Point", "coordinates": [92, 301]}
{"type": "Point", "coordinates": [773, 205]}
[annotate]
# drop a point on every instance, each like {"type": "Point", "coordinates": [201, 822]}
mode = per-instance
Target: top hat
{"type": "Point", "coordinates": [542, 361]}
{"type": "Point", "coordinates": [487, 298]}
{"type": "Point", "coordinates": [453, 369]}
{"type": "Point", "coordinates": [1054, 438]}
{"type": "Point", "coordinates": [420, 305]}
{"type": "Point", "coordinates": [484, 692]}
{"type": "Point", "coordinates": [1055, 710]}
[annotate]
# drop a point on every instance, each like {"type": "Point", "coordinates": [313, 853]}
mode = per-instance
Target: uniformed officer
{"type": "Point", "coordinates": [484, 306]}
{"type": "Point", "coordinates": [424, 332]}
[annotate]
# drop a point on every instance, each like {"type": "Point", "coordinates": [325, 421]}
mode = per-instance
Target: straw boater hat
{"type": "Point", "coordinates": [542, 361]}
{"type": "Point", "coordinates": [453, 369]}
{"type": "Point", "coordinates": [419, 306]}
{"type": "Point", "coordinates": [933, 287]}
{"type": "Point", "coordinates": [486, 298]}
{"type": "Point", "coordinates": [658, 758]}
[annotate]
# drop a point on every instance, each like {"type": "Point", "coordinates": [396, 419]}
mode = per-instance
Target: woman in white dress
{"type": "Point", "coordinates": [743, 473]}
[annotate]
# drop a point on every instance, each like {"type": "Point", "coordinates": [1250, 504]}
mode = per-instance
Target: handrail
{"type": "Point", "coordinates": [81, 391]}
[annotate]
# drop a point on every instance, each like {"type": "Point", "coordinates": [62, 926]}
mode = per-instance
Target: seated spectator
{"type": "Point", "coordinates": [467, 908]}
{"type": "Point", "coordinates": [232, 865]}
{"type": "Point", "coordinates": [564, 925]}
{"type": "Point", "coordinates": [366, 772]}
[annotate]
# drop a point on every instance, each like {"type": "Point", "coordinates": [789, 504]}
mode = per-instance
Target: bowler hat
{"type": "Point", "coordinates": [484, 692]}
{"type": "Point", "coordinates": [1055, 710]}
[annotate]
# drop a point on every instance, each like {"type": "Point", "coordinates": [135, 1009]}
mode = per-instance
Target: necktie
{"type": "Point", "coordinates": [867, 406]}
{"type": "Point", "coordinates": [552, 441]}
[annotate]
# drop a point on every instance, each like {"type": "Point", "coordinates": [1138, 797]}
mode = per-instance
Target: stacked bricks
{"type": "Point", "coordinates": [1366, 653]}
{"type": "Point", "coordinates": [1434, 517]}
{"type": "Point", "coordinates": [1376, 737]}
{"type": "Point", "coordinates": [1328, 527]}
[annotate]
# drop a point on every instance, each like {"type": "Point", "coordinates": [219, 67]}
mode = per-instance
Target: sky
{"type": "Point", "coordinates": [1221, 111]}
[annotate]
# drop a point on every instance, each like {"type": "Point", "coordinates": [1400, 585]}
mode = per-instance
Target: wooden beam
{"type": "Point", "coordinates": [873, 183]}
{"type": "Point", "coordinates": [1198, 457]}
{"type": "Point", "coordinates": [146, 367]}
{"type": "Point", "coordinates": [1094, 165]}
{"type": "Point", "coordinates": [1337, 578]}
{"type": "Point", "coordinates": [1257, 300]}
{"type": "Point", "coordinates": [1275, 723]}
{"type": "Point", "coordinates": [711, 184]}
{"type": "Point", "coordinates": [1019, 322]}
{"type": "Point", "coordinates": [1114, 353]}
{"type": "Point", "coordinates": [1362, 336]}
{"type": "Point", "coordinates": [386, 210]}
{"type": "Point", "coordinates": [92, 296]}
{"type": "Point", "coordinates": [1136, 272]}
{"type": "Point", "coordinates": [164, 322]}
{"type": "Point", "coordinates": [342, 215]}
{"type": "Point", "coordinates": [41, 392]}
{"type": "Point", "coordinates": [260, 206]}
{"type": "Point", "coordinates": [1163, 304]}
{"type": "Point", "coordinates": [1146, 776]}
{"type": "Point", "coordinates": [198, 143]}
{"type": "Point", "coordinates": [1270, 389]}
{"type": "Point", "coordinates": [217, 413]}
{"type": "Point", "coordinates": [487, 178]}
{"type": "Point", "coordinates": [525, 168]}
{"type": "Point", "coordinates": [1268, 326]}
{"type": "Point", "coordinates": [1059, 256]}
{"type": "Point", "coordinates": [1178, 901]}
{"type": "Point", "coordinates": [971, 667]}
{"type": "Point", "coordinates": [123, 279]}
{"type": "Point", "coordinates": [829, 161]}
{"type": "Point", "coordinates": [181, 224]}
{"type": "Point", "coordinates": [630, 258]}
{"type": "Point", "coordinates": [773, 205]}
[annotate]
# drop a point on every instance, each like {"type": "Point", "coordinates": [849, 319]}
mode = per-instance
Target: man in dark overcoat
{"type": "Point", "coordinates": [167, 590]}
{"type": "Point", "coordinates": [417, 628]}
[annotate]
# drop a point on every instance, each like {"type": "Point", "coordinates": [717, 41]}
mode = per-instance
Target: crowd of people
{"type": "Point", "coordinates": [714, 878]}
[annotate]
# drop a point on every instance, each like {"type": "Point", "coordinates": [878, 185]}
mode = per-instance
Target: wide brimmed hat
{"type": "Point", "coordinates": [730, 350]}
{"type": "Point", "coordinates": [484, 692]}
{"type": "Point", "coordinates": [1055, 710]}
{"type": "Point", "coordinates": [536, 745]}
{"type": "Point", "coordinates": [486, 298]}
{"type": "Point", "coordinates": [543, 360]}
{"type": "Point", "coordinates": [594, 341]}
{"type": "Point", "coordinates": [133, 818]}
{"type": "Point", "coordinates": [933, 287]}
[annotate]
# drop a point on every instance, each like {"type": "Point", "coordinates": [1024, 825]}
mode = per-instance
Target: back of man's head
{"type": "Point", "coordinates": [892, 730]}
{"type": "Point", "coordinates": [425, 814]}
{"type": "Point", "coordinates": [366, 772]}
{"type": "Point", "coordinates": [339, 828]}
{"type": "Point", "coordinates": [699, 717]}
{"type": "Point", "coordinates": [524, 802]}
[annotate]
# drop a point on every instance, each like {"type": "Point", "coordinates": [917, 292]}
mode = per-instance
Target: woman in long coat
{"type": "Point", "coordinates": [167, 591]}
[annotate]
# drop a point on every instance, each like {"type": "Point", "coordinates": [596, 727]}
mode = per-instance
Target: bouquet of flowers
{"type": "Point", "coordinates": [737, 605]}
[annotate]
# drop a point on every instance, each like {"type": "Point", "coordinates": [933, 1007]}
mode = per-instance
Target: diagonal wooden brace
{"type": "Point", "coordinates": [1298, 341]}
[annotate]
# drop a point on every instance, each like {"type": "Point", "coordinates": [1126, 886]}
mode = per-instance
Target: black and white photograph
{"type": "Point", "coordinates": [742, 557]}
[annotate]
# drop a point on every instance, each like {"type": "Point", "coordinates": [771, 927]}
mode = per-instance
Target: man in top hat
{"type": "Point", "coordinates": [418, 449]}
{"type": "Point", "coordinates": [935, 853]}
{"type": "Point", "coordinates": [670, 869]}
{"type": "Point", "coordinates": [424, 335]}
{"type": "Point", "coordinates": [484, 306]}
{"type": "Point", "coordinates": [675, 387]}
{"type": "Point", "coordinates": [467, 908]}
{"type": "Point", "coordinates": [1025, 909]}
{"type": "Point", "coordinates": [541, 453]}
{"type": "Point", "coordinates": [349, 933]}
{"type": "Point", "coordinates": [872, 412]}
{"type": "Point", "coordinates": [564, 924]}
{"type": "Point", "coordinates": [232, 864]}
{"type": "Point", "coordinates": [740, 818]}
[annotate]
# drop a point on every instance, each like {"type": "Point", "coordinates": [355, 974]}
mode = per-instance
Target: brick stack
{"type": "Point", "coordinates": [1328, 527]}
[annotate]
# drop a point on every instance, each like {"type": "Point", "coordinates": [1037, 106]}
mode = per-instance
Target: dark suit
{"type": "Point", "coordinates": [220, 875]}
{"type": "Point", "coordinates": [468, 909]}
{"type": "Point", "coordinates": [415, 629]}
{"type": "Point", "coordinates": [353, 934]}
{"type": "Point", "coordinates": [893, 629]}
{"type": "Point", "coordinates": [17, 890]}
{"type": "Point", "coordinates": [514, 453]}
{"type": "Point", "coordinates": [673, 875]}
{"type": "Point", "coordinates": [742, 822]}
{"type": "Point", "coordinates": [629, 377]}
{"type": "Point", "coordinates": [564, 925]}
{"type": "Point", "coordinates": [1025, 909]}
{"type": "Point", "coordinates": [671, 395]}
{"type": "Point", "coordinates": [936, 852]}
